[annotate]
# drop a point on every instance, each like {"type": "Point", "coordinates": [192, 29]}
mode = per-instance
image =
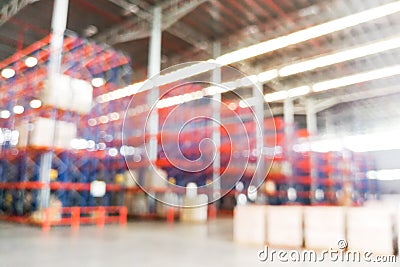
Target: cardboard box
{"type": "Point", "coordinates": [194, 209]}
{"type": "Point", "coordinates": [249, 224]}
{"type": "Point", "coordinates": [54, 215]}
{"type": "Point", "coordinates": [167, 201]}
{"type": "Point", "coordinates": [324, 227]}
{"type": "Point", "coordinates": [285, 226]}
{"type": "Point", "coordinates": [136, 203]}
{"type": "Point", "coordinates": [370, 229]}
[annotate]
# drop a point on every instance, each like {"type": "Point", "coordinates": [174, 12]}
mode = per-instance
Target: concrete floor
{"type": "Point", "coordinates": [137, 244]}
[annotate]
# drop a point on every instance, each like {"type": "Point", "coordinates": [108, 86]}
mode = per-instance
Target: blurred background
{"type": "Point", "coordinates": [105, 106]}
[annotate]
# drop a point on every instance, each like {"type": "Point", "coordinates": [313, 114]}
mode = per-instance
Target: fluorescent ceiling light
{"type": "Point", "coordinates": [267, 75]}
{"type": "Point", "coordinates": [179, 99]}
{"type": "Point", "coordinates": [185, 72]}
{"type": "Point", "coordinates": [92, 122]}
{"type": "Point", "coordinates": [245, 103]}
{"type": "Point", "coordinates": [384, 175]}
{"type": "Point", "coordinates": [35, 103]}
{"type": "Point", "coordinates": [299, 91]}
{"type": "Point", "coordinates": [262, 48]}
{"type": "Point", "coordinates": [294, 92]}
{"type": "Point", "coordinates": [79, 143]}
{"type": "Point", "coordinates": [335, 83]}
{"type": "Point", "coordinates": [349, 54]}
{"type": "Point", "coordinates": [357, 78]}
{"type": "Point", "coordinates": [114, 116]}
{"type": "Point", "coordinates": [31, 62]}
{"type": "Point", "coordinates": [104, 119]}
{"type": "Point", "coordinates": [113, 152]}
{"type": "Point", "coordinates": [98, 82]}
{"type": "Point", "coordinates": [7, 73]}
{"type": "Point", "coordinates": [5, 114]}
{"type": "Point", "coordinates": [208, 91]}
{"type": "Point", "coordinates": [309, 33]}
{"type": "Point", "coordinates": [276, 96]}
{"type": "Point", "coordinates": [380, 141]}
{"type": "Point", "coordinates": [324, 146]}
{"type": "Point", "coordinates": [18, 109]}
{"type": "Point", "coordinates": [232, 106]}
{"type": "Point", "coordinates": [373, 142]}
{"type": "Point", "coordinates": [281, 95]}
{"type": "Point", "coordinates": [123, 92]}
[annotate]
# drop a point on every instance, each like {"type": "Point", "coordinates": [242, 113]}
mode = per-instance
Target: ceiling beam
{"type": "Point", "coordinates": [356, 96]}
{"type": "Point", "coordinates": [118, 34]}
{"type": "Point", "coordinates": [136, 7]}
{"type": "Point", "coordinates": [175, 10]}
{"type": "Point", "coordinates": [189, 35]}
{"type": "Point", "coordinates": [142, 4]}
{"type": "Point", "coordinates": [11, 8]}
{"type": "Point", "coordinates": [139, 27]}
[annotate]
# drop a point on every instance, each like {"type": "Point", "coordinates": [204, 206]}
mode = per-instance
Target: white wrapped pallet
{"type": "Point", "coordinates": [323, 227]}
{"type": "Point", "coordinates": [68, 94]}
{"type": "Point", "coordinates": [155, 178]}
{"type": "Point", "coordinates": [46, 132]}
{"type": "Point", "coordinates": [61, 95]}
{"type": "Point", "coordinates": [370, 229]}
{"type": "Point", "coordinates": [42, 133]}
{"type": "Point", "coordinates": [249, 224]}
{"type": "Point", "coordinates": [285, 226]}
{"type": "Point", "coordinates": [65, 133]}
{"type": "Point", "coordinates": [82, 96]}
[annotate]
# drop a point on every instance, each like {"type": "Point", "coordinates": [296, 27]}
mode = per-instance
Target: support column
{"type": "Point", "coordinates": [154, 66]}
{"type": "Point", "coordinates": [58, 26]}
{"type": "Point", "coordinates": [259, 175]}
{"type": "Point", "coordinates": [311, 117]}
{"type": "Point", "coordinates": [312, 131]}
{"type": "Point", "coordinates": [288, 115]}
{"type": "Point", "coordinates": [216, 134]}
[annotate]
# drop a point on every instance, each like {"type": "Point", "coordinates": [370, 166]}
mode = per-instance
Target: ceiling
{"type": "Point", "coordinates": [234, 24]}
{"type": "Point", "coordinates": [212, 20]}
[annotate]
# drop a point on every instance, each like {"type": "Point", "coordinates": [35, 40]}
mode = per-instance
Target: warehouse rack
{"type": "Point", "coordinates": [329, 177]}
{"type": "Point", "coordinates": [103, 156]}
{"type": "Point", "coordinates": [73, 167]}
{"type": "Point", "coordinates": [327, 184]}
{"type": "Point", "coordinates": [74, 216]}
{"type": "Point", "coordinates": [363, 187]}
